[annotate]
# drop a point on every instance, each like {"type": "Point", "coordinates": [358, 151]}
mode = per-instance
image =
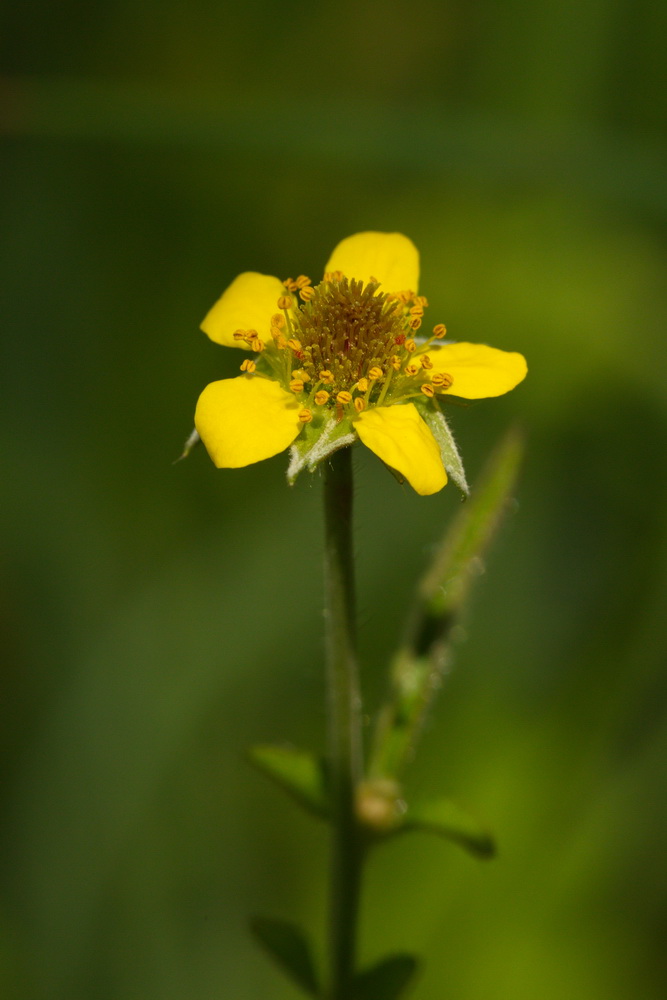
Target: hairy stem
{"type": "Point", "coordinates": [344, 722]}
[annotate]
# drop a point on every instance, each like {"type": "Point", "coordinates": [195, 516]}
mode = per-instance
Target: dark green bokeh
{"type": "Point", "coordinates": [161, 618]}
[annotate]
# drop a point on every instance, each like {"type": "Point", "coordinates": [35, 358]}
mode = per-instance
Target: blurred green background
{"type": "Point", "coordinates": [158, 619]}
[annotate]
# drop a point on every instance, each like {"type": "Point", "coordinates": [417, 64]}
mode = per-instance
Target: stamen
{"type": "Point", "coordinates": [344, 397]}
{"type": "Point", "coordinates": [307, 293]}
{"type": "Point", "coordinates": [426, 362]}
{"type": "Point", "coordinates": [361, 385]}
{"type": "Point", "coordinates": [239, 335]}
{"type": "Point", "coordinates": [428, 390]}
{"type": "Point", "coordinates": [285, 302]}
{"type": "Point", "coordinates": [443, 380]}
{"type": "Point", "coordinates": [296, 385]}
{"type": "Point", "coordinates": [375, 373]}
{"type": "Point", "coordinates": [294, 344]}
{"type": "Point", "coordinates": [257, 344]}
{"type": "Point", "coordinates": [302, 281]}
{"type": "Point", "coordinates": [359, 404]}
{"type": "Point", "coordinates": [440, 331]}
{"type": "Point", "coordinates": [326, 377]}
{"type": "Point", "coordinates": [278, 320]}
{"type": "Point", "coordinates": [305, 416]}
{"type": "Point", "coordinates": [248, 366]}
{"type": "Point", "coordinates": [411, 369]}
{"type": "Point", "coordinates": [410, 345]}
{"type": "Point", "coordinates": [322, 397]}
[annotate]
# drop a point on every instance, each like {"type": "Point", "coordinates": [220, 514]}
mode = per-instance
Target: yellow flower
{"type": "Point", "coordinates": [354, 333]}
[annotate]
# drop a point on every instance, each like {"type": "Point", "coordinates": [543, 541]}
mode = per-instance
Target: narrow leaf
{"type": "Point", "coordinates": [299, 773]}
{"type": "Point", "coordinates": [446, 819]}
{"type": "Point", "coordinates": [387, 980]}
{"type": "Point", "coordinates": [441, 597]}
{"type": "Point", "coordinates": [288, 946]}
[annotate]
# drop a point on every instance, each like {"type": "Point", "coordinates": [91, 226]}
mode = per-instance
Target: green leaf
{"type": "Point", "coordinates": [446, 819]}
{"type": "Point", "coordinates": [441, 598]}
{"type": "Point", "coordinates": [288, 946]}
{"type": "Point", "coordinates": [299, 773]}
{"type": "Point", "coordinates": [385, 981]}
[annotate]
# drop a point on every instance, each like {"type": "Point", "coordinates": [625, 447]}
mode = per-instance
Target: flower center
{"type": "Point", "coordinates": [347, 328]}
{"type": "Point", "coordinates": [344, 344]}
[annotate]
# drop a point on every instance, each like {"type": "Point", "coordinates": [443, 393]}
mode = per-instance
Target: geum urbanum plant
{"type": "Point", "coordinates": [327, 364]}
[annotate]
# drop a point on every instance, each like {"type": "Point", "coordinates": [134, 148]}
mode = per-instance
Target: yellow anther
{"type": "Point", "coordinates": [294, 344]}
{"type": "Point", "coordinates": [439, 331]}
{"type": "Point", "coordinates": [239, 335]}
{"type": "Point", "coordinates": [296, 385]}
{"type": "Point", "coordinates": [395, 362]}
{"type": "Point", "coordinates": [411, 369]}
{"type": "Point", "coordinates": [278, 320]}
{"type": "Point", "coordinates": [326, 377]}
{"type": "Point", "coordinates": [410, 346]}
{"type": "Point", "coordinates": [416, 310]}
{"type": "Point", "coordinates": [285, 302]}
{"type": "Point", "coordinates": [427, 389]}
{"type": "Point", "coordinates": [421, 300]}
{"type": "Point", "coordinates": [337, 275]}
{"type": "Point", "coordinates": [305, 416]}
{"type": "Point", "coordinates": [250, 335]}
{"type": "Point", "coordinates": [248, 366]}
{"type": "Point", "coordinates": [307, 293]}
{"type": "Point", "coordinates": [321, 397]}
{"type": "Point", "coordinates": [415, 322]}
{"type": "Point", "coordinates": [375, 373]}
{"type": "Point", "coordinates": [359, 404]}
{"type": "Point", "coordinates": [362, 385]}
{"type": "Point", "coordinates": [442, 380]}
{"type": "Point", "coordinates": [257, 344]}
{"type": "Point", "coordinates": [344, 397]}
{"type": "Point", "coordinates": [290, 284]}
{"type": "Point", "coordinates": [302, 281]}
{"type": "Point", "coordinates": [405, 296]}
{"type": "Point", "coordinates": [281, 343]}
{"type": "Point", "coordinates": [328, 276]}
{"type": "Point", "coordinates": [301, 374]}
{"type": "Point", "coordinates": [426, 362]}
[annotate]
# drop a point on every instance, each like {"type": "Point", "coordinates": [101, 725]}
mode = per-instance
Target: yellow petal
{"type": "Point", "coordinates": [246, 419]}
{"type": "Point", "coordinates": [399, 436]}
{"type": "Point", "coordinates": [478, 371]}
{"type": "Point", "coordinates": [248, 304]}
{"type": "Point", "coordinates": [390, 257]}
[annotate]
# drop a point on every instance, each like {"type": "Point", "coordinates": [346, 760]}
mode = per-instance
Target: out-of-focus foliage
{"type": "Point", "coordinates": [159, 619]}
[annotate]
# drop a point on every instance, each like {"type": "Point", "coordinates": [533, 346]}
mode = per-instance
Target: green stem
{"type": "Point", "coordinates": [344, 722]}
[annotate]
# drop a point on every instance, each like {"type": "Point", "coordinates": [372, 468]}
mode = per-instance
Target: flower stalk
{"type": "Point", "coordinates": [344, 722]}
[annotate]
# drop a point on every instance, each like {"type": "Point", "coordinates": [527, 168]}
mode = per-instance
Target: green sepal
{"type": "Point", "coordinates": [287, 945]}
{"type": "Point", "coordinates": [189, 445]}
{"type": "Point", "coordinates": [449, 453]}
{"type": "Point", "coordinates": [319, 439]}
{"type": "Point", "coordinates": [387, 980]}
{"type": "Point", "coordinates": [300, 773]}
{"type": "Point", "coordinates": [446, 819]}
